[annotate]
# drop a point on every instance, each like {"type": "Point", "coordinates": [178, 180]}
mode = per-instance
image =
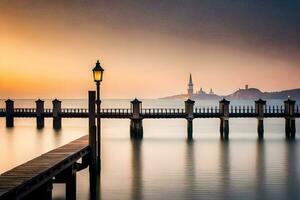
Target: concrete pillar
{"type": "Point", "coordinates": [40, 122]}
{"type": "Point", "coordinates": [9, 104]}
{"type": "Point", "coordinates": [56, 114]}
{"type": "Point", "coordinates": [189, 111]}
{"type": "Point", "coordinates": [224, 118]}
{"type": "Point", "coordinates": [136, 121]}
{"type": "Point", "coordinates": [290, 126]}
{"type": "Point", "coordinates": [259, 111]}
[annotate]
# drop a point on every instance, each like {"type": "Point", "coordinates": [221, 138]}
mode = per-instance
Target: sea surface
{"type": "Point", "coordinates": [164, 165]}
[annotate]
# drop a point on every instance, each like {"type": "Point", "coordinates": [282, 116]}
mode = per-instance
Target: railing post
{"type": "Point", "coordinates": [289, 111]}
{"type": "Point", "coordinates": [224, 119]}
{"type": "Point", "coordinates": [56, 114]}
{"type": "Point", "coordinates": [136, 121]}
{"type": "Point", "coordinates": [39, 114]}
{"type": "Point", "coordinates": [189, 111]}
{"type": "Point", "coordinates": [9, 104]}
{"type": "Point", "coordinates": [259, 111]}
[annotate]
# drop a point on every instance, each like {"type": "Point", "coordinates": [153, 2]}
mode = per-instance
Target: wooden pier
{"type": "Point", "coordinates": [260, 110]}
{"type": "Point", "coordinates": [35, 178]}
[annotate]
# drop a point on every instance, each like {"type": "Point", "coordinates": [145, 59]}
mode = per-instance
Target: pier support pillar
{"type": "Point", "coordinates": [68, 177]}
{"type": "Point", "coordinates": [71, 187]}
{"type": "Point", "coordinates": [39, 114]}
{"type": "Point", "coordinates": [189, 111]}
{"type": "Point", "coordinates": [56, 114]}
{"type": "Point", "coordinates": [226, 129]}
{"type": "Point", "coordinates": [259, 110]}
{"type": "Point", "coordinates": [224, 119]}
{"type": "Point", "coordinates": [136, 129]}
{"type": "Point", "coordinates": [9, 105]}
{"type": "Point", "coordinates": [290, 123]}
{"type": "Point", "coordinates": [221, 128]}
{"type": "Point", "coordinates": [136, 121]}
{"type": "Point", "coordinates": [44, 192]}
{"type": "Point", "coordinates": [190, 129]}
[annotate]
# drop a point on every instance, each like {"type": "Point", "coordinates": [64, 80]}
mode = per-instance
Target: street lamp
{"type": "Point", "coordinates": [98, 75]}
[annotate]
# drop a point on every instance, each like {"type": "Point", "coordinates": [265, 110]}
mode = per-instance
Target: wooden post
{"type": "Point", "coordinates": [39, 114]}
{"type": "Point", "coordinates": [189, 111]}
{"type": "Point", "coordinates": [136, 121]}
{"type": "Point", "coordinates": [224, 119]}
{"type": "Point", "coordinates": [56, 114]}
{"type": "Point", "coordinates": [71, 187]}
{"type": "Point", "coordinates": [92, 131]}
{"type": "Point", "coordinates": [93, 170]}
{"type": "Point", "coordinates": [9, 104]}
{"type": "Point", "coordinates": [259, 111]}
{"type": "Point", "coordinates": [290, 126]}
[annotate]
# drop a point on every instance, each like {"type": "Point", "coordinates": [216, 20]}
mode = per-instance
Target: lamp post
{"type": "Point", "coordinates": [98, 75]}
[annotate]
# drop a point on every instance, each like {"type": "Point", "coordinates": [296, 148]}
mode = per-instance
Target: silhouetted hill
{"type": "Point", "coordinates": [245, 94]}
{"type": "Point", "coordinates": [251, 93]}
{"type": "Point", "coordinates": [294, 94]}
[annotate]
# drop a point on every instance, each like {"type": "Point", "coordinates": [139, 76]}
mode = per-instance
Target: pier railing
{"type": "Point", "coordinates": [289, 111]}
{"type": "Point", "coordinates": [162, 111]}
{"type": "Point", "coordinates": [234, 111]}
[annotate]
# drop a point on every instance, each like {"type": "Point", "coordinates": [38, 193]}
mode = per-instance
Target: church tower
{"type": "Point", "coordinates": [190, 86]}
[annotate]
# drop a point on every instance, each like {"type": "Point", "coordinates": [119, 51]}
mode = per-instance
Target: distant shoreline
{"type": "Point", "coordinates": [242, 94]}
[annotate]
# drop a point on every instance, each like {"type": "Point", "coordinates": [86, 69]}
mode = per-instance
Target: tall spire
{"type": "Point", "coordinates": [191, 80]}
{"type": "Point", "coordinates": [190, 86]}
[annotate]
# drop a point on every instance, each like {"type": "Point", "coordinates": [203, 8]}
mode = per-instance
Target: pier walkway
{"type": "Point", "coordinates": [34, 179]}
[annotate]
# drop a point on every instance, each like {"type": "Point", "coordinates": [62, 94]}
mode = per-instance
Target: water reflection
{"type": "Point", "coordinates": [261, 192]}
{"type": "Point", "coordinates": [292, 184]}
{"type": "Point", "coordinates": [224, 168]}
{"type": "Point", "coordinates": [190, 171]}
{"type": "Point", "coordinates": [137, 170]}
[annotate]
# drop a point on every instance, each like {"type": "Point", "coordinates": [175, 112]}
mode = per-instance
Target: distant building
{"type": "Point", "coordinates": [246, 87]}
{"type": "Point", "coordinates": [190, 86]}
{"type": "Point", "coordinates": [201, 91]}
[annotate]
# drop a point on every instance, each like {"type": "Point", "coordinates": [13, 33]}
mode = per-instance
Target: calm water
{"type": "Point", "coordinates": [165, 165]}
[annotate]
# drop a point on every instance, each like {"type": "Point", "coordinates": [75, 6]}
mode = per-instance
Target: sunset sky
{"type": "Point", "coordinates": [147, 47]}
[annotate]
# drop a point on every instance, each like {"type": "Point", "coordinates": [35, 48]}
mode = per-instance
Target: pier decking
{"type": "Point", "coordinates": [34, 179]}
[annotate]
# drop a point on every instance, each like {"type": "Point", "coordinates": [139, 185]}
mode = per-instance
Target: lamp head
{"type": "Point", "coordinates": [98, 72]}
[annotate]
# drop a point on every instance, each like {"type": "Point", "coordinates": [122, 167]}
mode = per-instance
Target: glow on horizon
{"type": "Point", "coordinates": [56, 61]}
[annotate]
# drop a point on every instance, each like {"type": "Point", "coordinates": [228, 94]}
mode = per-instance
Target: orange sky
{"type": "Point", "coordinates": [49, 51]}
